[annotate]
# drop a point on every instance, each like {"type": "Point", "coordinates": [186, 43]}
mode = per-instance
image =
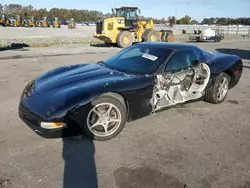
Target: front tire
{"type": "Point", "coordinates": [124, 39]}
{"type": "Point", "coordinates": [106, 118]}
{"type": "Point", "coordinates": [218, 92]}
{"type": "Point", "coordinates": [151, 36]}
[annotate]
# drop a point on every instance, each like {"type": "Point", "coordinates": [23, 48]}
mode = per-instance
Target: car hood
{"type": "Point", "coordinates": [81, 75]}
{"type": "Point", "coordinates": [66, 87]}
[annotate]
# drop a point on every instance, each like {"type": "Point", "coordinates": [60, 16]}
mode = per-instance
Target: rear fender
{"type": "Point", "coordinates": [232, 66]}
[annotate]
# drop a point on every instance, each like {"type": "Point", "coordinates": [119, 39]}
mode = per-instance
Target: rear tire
{"type": "Point", "coordinates": [218, 92]}
{"type": "Point", "coordinates": [124, 39]}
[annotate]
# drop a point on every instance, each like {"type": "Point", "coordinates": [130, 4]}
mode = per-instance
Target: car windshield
{"type": "Point", "coordinates": [138, 59]}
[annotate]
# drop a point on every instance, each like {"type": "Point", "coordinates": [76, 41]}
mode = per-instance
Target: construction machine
{"type": "Point", "coordinates": [72, 24]}
{"type": "Point", "coordinates": [18, 22]}
{"type": "Point", "coordinates": [44, 22]}
{"type": "Point", "coordinates": [2, 20]}
{"type": "Point", "coordinates": [125, 28]}
{"type": "Point", "coordinates": [32, 22]}
{"type": "Point", "coordinates": [56, 23]}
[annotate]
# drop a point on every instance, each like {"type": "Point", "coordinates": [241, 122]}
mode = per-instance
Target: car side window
{"type": "Point", "coordinates": [182, 59]}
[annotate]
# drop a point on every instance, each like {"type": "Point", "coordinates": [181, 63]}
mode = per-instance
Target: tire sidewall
{"type": "Point", "coordinates": [105, 99]}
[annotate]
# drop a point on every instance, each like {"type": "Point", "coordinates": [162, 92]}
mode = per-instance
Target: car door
{"type": "Point", "coordinates": [180, 73]}
{"type": "Point", "coordinates": [182, 63]}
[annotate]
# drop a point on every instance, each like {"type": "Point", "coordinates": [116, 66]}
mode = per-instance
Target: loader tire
{"type": "Point", "coordinates": [151, 36]}
{"type": "Point", "coordinates": [167, 36]}
{"type": "Point", "coordinates": [124, 39]}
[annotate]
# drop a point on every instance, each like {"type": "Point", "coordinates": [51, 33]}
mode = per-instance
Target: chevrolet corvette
{"type": "Point", "coordinates": [97, 99]}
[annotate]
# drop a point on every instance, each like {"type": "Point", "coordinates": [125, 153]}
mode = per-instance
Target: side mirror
{"type": "Point", "coordinates": [139, 10]}
{"type": "Point", "coordinates": [113, 11]}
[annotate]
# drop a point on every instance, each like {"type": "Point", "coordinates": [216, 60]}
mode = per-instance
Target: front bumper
{"type": "Point", "coordinates": [104, 38]}
{"type": "Point", "coordinates": [33, 121]}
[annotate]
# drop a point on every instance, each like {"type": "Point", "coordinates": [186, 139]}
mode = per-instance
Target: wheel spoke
{"type": "Point", "coordinates": [109, 110]}
{"type": "Point", "coordinates": [105, 130]}
{"type": "Point", "coordinates": [95, 125]}
{"type": "Point", "coordinates": [97, 113]}
{"type": "Point", "coordinates": [114, 120]}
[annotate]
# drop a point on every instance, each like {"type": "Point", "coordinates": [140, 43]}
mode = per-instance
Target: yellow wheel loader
{"type": "Point", "coordinates": [56, 23]}
{"type": "Point", "coordinates": [4, 21]}
{"type": "Point", "coordinates": [72, 24]}
{"type": "Point", "coordinates": [44, 22]}
{"type": "Point", "coordinates": [18, 22]}
{"type": "Point", "coordinates": [125, 28]}
{"type": "Point", "coordinates": [32, 22]}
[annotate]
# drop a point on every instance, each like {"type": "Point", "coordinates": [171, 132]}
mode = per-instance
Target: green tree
{"type": "Point", "coordinates": [194, 22]}
{"type": "Point", "coordinates": [171, 20]}
{"type": "Point", "coordinates": [185, 20]}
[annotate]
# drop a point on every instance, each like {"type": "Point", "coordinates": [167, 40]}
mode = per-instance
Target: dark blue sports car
{"type": "Point", "coordinates": [97, 99]}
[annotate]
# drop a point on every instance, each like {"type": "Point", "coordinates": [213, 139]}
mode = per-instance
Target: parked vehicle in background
{"type": "Point", "coordinates": [208, 35]}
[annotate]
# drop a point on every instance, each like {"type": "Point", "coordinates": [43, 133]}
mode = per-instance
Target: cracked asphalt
{"type": "Point", "coordinates": [196, 145]}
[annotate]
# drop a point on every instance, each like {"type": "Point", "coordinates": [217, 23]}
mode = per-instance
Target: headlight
{"type": "Point", "coordinates": [120, 21]}
{"type": "Point", "coordinates": [52, 125]}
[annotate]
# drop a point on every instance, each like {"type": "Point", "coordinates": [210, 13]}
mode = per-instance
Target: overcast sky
{"type": "Point", "coordinates": [197, 9]}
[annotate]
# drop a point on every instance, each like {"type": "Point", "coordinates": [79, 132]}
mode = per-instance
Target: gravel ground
{"type": "Point", "coordinates": [198, 145]}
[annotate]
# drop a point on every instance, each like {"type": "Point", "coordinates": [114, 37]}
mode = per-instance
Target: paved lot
{"type": "Point", "coordinates": [10, 32]}
{"type": "Point", "coordinates": [198, 145]}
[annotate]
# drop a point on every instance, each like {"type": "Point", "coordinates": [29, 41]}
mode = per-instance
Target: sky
{"type": "Point", "coordinates": [197, 9]}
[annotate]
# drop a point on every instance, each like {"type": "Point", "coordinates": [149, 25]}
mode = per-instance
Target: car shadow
{"type": "Point", "coordinates": [243, 54]}
{"type": "Point", "coordinates": [15, 46]}
{"type": "Point", "coordinates": [79, 168]}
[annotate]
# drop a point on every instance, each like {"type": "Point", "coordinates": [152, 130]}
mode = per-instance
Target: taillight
{"type": "Point", "coordinates": [236, 71]}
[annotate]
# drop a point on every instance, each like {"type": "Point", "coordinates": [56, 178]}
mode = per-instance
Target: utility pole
{"type": "Point", "coordinates": [175, 15]}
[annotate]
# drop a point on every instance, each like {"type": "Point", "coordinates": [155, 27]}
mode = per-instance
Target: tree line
{"type": "Point", "coordinates": [93, 15]}
{"type": "Point", "coordinates": [12, 10]}
{"type": "Point", "coordinates": [226, 21]}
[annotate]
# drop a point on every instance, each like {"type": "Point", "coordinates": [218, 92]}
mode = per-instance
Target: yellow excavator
{"type": "Point", "coordinates": [125, 28]}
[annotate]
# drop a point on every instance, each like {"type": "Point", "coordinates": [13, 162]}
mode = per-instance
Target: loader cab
{"type": "Point", "coordinates": [130, 14]}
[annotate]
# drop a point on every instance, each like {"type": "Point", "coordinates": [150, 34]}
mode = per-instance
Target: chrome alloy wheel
{"type": "Point", "coordinates": [104, 119]}
{"type": "Point", "coordinates": [223, 88]}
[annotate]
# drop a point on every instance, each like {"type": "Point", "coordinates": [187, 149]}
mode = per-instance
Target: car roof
{"type": "Point", "coordinates": [173, 46]}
